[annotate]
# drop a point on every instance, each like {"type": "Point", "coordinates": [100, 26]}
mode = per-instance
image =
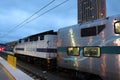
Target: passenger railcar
{"type": "Point", "coordinates": [91, 47]}
{"type": "Point", "coordinates": [39, 48]}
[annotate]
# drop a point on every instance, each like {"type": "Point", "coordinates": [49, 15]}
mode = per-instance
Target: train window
{"type": "Point", "coordinates": [100, 28]}
{"type": "Point", "coordinates": [117, 27]}
{"type": "Point", "coordinates": [73, 51]}
{"type": "Point", "coordinates": [19, 49]}
{"type": "Point", "coordinates": [26, 40]}
{"type": "Point", "coordinates": [19, 41]}
{"type": "Point", "coordinates": [42, 37]}
{"type": "Point", "coordinates": [91, 51]}
{"type": "Point", "coordinates": [33, 38]}
{"type": "Point", "coordinates": [91, 31]}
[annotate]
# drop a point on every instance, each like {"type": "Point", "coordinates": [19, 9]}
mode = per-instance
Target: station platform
{"type": "Point", "coordinates": [8, 72]}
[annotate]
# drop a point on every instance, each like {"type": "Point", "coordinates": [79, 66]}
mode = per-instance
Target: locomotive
{"type": "Point", "coordinates": [39, 48]}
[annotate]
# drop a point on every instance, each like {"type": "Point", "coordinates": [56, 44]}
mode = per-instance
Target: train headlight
{"type": "Point", "coordinates": [91, 51]}
{"type": "Point", "coordinates": [117, 27]}
{"type": "Point", "coordinates": [73, 51]}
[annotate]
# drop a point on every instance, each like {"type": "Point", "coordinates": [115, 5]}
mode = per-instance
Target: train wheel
{"type": "Point", "coordinates": [92, 77]}
{"type": "Point", "coordinates": [86, 76]}
{"type": "Point", "coordinates": [30, 60]}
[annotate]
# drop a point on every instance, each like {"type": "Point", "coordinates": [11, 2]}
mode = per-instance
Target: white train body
{"type": "Point", "coordinates": [92, 47]}
{"type": "Point", "coordinates": [41, 45]}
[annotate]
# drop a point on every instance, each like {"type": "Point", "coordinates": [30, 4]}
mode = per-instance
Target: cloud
{"type": "Point", "coordinates": [14, 16]}
{"type": "Point", "coordinates": [14, 12]}
{"type": "Point", "coordinates": [11, 19]}
{"type": "Point", "coordinates": [52, 20]}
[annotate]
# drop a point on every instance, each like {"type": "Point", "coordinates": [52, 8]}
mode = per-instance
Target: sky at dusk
{"type": "Point", "coordinates": [13, 12]}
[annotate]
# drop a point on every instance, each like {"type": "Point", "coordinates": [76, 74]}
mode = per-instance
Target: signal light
{"type": "Point", "coordinates": [1, 49]}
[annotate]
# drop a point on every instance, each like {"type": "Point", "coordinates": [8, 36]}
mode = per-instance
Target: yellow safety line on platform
{"type": "Point", "coordinates": [8, 73]}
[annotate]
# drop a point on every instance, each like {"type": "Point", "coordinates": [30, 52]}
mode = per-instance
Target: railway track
{"type": "Point", "coordinates": [39, 74]}
{"type": "Point", "coordinates": [31, 73]}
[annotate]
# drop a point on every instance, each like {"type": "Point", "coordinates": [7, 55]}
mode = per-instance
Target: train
{"type": "Point", "coordinates": [40, 48]}
{"type": "Point", "coordinates": [90, 50]}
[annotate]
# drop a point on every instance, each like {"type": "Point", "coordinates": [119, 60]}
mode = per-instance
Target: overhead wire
{"type": "Point", "coordinates": [23, 23]}
{"type": "Point", "coordinates": [43, 13]}
{"type": "Point", "coordinates": [37, 12]}
{"type": "Point", "coordinates": [17, 26]}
